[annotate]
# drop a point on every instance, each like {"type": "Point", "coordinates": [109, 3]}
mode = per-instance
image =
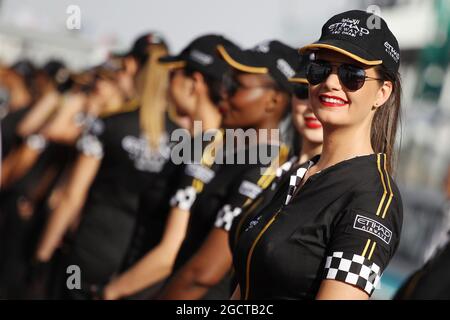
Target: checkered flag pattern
{"type": "Point", "coordinates": [295, 181]}
{"type": "Point", "coordinates": [286, 166]}
{"type": "Point", "coordinates": [353, 269]}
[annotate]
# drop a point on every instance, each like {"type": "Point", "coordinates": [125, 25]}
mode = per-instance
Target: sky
{"type": "Point", "coordinates": [118, 22]}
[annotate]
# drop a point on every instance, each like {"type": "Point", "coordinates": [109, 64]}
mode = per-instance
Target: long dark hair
{"type": "Point", "coordinates": [211, 82]}
{"type": "Point", "coordinates": [387, 119]}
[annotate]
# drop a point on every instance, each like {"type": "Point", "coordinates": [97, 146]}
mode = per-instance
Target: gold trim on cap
{"type": "Point", "coordinates": [344, 52]}
{"type": "Point", "coordinates": [298, 80]}
{"type": "Point", "coordinates": [174, 64]}
{"type": "Point", "coordinates": [239, 66]}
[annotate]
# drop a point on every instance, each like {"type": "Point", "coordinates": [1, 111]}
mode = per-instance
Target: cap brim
{"type": "Point", "coordinates": [344, 48]}
{"type": "Point", "coordinates": [240, 60]}
{"type": "Point", "coordinates": [172, 62]}
{"type": "Point", "coordinates": [298, 80]}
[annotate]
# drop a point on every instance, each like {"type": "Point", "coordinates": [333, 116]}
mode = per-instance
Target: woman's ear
{"type": "Point", "coordinates": [131, 65]}
{"type": "Point", "coordinates": [199, 83]}
{"type": "Point", "coordinates": [383, 94]}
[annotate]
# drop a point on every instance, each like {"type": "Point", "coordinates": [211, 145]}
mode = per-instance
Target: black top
{"type": "Point", "coordinates": [153, 208]}
{"type": "Point", "coordinates": [431, 281]}
{"type": "Point", "coordinates": [230, 188]}
{"type": "Point", "coordinates": [264, 198]}
{"type": "Point", "coordinates": [127, 167]}
{"type": "Point", "coordinates": [344, 224]}
{"type": "Point", "coordinates": [9, 136]}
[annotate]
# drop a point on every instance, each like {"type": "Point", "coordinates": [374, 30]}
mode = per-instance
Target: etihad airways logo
{"type": "Point", "coordinates": [392, 52]}
{"type": "Point", "coordinates": [349, 27]}
{"type": "Point", "coordinates": [373, 227]}
{"type": "Point", "coordinates": [201, 57]}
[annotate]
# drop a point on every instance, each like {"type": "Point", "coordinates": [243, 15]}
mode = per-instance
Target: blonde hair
{"type": "Point", "coordinates": [153, 96]}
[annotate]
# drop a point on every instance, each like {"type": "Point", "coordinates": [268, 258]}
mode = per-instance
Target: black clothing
{"type": "Point", "coordinates": [108, 216]}
{"type": "Point", "coordinates": [231, 188]}
{"type": "Point", "coordinates": [9, 136]}
{"type": "Point", "coordinates": [343, 224]}
{"type": "Point", "coordinates": [264, 198]}
{"type": "Point", "coordinates": [431, 282]}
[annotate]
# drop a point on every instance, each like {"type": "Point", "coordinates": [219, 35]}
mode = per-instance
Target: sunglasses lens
{"type": "Point", "coordinates": [229, 85]}
{"type": "Point", "coordinates": [352, 77]}
{"type": "Point", "coordinates": [317, 72]}
{"type": "Point", "coordinates": [301, 91]}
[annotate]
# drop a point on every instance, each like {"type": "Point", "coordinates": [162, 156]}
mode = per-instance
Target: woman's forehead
{"type": "Point", "coordinates": [254, 78]}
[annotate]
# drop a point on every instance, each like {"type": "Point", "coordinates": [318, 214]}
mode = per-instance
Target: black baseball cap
{"type": "Point", "coordinates": [362, 36]}
{"type": "Point", "coordinates": [271, 57]}
{"type": "Point", "coordinates": [57, 71]}
{"type": "Point", "coordinates": [141, 46]}
{"type": "Point", "coordinates": [24, 68]}
{"type": "Point", "coordinates": [202, 55]}
{"type": "Point", "coordinates": [300, 72]}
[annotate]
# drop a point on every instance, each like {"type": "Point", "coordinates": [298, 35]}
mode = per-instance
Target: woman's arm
{"type": "Point", "coordinates": [73, 198]}
{"type": "Point", "coordinates": [337, 290]}
{"type": "Point", "coordinates": [21, 159]}
{"type": "Point", "coordinates": [156, 264]}
{"type": "Point", "coordinates": [37, 116]}
{"type": "Point", "coordinates": [237, 293]}
{"type": "Point", "coordinates": [63, 128]}
{"type": "Point", "coordinates": [203, 271]}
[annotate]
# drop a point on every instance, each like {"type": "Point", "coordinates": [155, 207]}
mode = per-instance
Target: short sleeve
{"type": "Point", "coordinates": [90, 143]}
{"type": "Point", "coordinates": [363, 241]}
{"type": "Point", "coordinates": [195, 177]}
{"type": "Point", "coordinates": [36, 142]}
{"type": "Point", "coordinates": [244, 192]}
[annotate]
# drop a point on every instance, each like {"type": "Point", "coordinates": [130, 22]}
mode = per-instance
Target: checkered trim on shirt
{"type": "Point", "coordinates": [90, 145]}
{"type": "Point", "coordinates": [226, 216]}
{"type": "Point", "coordinates": [184, 198]}
{"type": "Point", "coordinates": [353, 269]}
{"type": "Point", "coordinates": [295, 181]}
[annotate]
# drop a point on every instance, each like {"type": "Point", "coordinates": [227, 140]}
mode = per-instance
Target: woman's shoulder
{"type": "Point", "coordinates": [375, 190]}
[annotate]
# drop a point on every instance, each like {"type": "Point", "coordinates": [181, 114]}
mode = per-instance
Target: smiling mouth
{"type": "Point", "coordinates": [222, 110]}
{"type": "Point", "coordinates": [332, 101]}
{"type": "Point", "coordinates": [311, 121]}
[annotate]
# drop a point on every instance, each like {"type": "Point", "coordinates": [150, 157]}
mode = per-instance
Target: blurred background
{"type": "Point", "coordinates": [40, 30]}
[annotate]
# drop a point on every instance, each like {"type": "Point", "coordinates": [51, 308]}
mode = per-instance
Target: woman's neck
{"type": "Point", "coordinates": [309, 150]}
{"type": "Point", "coordinates": [19, 98]}
{"type": "Point", "coordinates": [340, 144]}
{"type": "Point", "coordinates": [209, 116]}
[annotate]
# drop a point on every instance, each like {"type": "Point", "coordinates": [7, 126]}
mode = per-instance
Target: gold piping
{"type": "Point", "coordinates": [371, 251]}
{"type": "Point", "coordinates": [365, 248]}
{"type": "Point", "coordinates": [391, 195]}
{"type": "Point", "coordinates": [299, 80]}
{"type": "Point", "coordinates": [240, 66]}
{"type": "Point", "coordinates": [249, 257]}
{"type": "Point", "coordinates": [384, 186]}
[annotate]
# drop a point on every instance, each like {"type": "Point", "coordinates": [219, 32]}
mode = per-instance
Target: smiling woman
{"type": "Point", "coordinates": [313, 240]}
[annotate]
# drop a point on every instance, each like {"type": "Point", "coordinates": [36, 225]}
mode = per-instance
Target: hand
{"type": "Point", "coordinates": [110, 292]}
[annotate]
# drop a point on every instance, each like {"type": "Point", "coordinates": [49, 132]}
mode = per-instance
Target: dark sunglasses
{"type": "Point", "coordinates": [352, 77]}
{"type": "Point", "coordinates": [231, 85]}
{"type": "Point", "coordinates": [301, 91]}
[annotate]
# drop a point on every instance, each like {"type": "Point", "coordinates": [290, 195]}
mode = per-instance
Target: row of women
{"type": "Point", "coordinates": [94, 205]}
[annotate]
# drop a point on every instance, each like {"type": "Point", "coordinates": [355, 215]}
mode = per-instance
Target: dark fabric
{"type": "Point", "coordinates": [127, 168]}
{"type": "Point", "coordinates": [291, 245]}
{"type": "Point", "coordinates": [9, 135]}
{"type": "Point", "coordinates": [431, 282]}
